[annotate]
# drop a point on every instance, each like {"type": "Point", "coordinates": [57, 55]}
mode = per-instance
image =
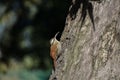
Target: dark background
{"type": "Point", "coordinates": [26, 26]}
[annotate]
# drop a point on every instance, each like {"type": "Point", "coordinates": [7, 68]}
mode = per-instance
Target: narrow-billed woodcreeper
{"type": "Point", "coordinates": [55, 48]}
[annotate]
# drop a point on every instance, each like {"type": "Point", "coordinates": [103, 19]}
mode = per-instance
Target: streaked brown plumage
{"type": "Point", "coordinates": [54, 49]}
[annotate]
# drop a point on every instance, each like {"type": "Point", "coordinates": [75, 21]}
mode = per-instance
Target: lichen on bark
{"type": "Point", "coordinates": [87, 54]}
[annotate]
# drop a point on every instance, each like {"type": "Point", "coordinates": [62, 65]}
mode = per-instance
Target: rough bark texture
{"type": "Point", "coordinates": [90, 42]}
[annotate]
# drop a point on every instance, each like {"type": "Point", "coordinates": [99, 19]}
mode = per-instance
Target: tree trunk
{"type": "Point", "coordinates": [90, 42]}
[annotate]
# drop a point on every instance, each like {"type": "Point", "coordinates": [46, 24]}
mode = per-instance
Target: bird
{"type": "Point", "coordinates": [55, 49]}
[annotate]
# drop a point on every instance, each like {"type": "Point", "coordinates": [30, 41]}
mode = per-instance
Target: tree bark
{"type": "Point", "coordinates": [90, 42]}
